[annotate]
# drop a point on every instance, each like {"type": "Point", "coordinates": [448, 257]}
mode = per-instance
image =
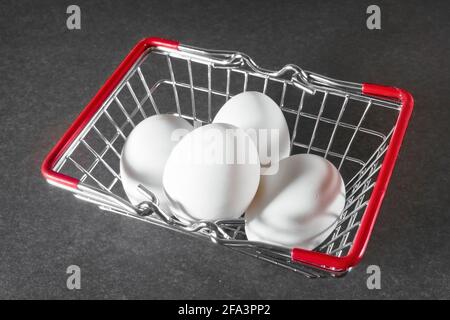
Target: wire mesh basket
{"type": "Point", "coordinates": [358, 127]}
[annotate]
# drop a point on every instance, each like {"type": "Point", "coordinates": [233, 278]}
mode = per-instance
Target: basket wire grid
{"type": "Point", "coordinates": [326, 117]}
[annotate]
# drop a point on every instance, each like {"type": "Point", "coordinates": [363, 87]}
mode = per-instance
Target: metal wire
{"type": "Point", "coordinates": [359, 171]}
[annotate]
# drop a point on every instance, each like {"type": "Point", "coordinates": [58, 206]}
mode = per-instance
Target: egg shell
{"type": "Point", "coordinates": [145, 153]}
{"type": "Point", "coordinates": [252, 110]}
{"type": "Point", "coordinates": [298, 206]}
{"type": "Point", "coordinates": [204, 179]}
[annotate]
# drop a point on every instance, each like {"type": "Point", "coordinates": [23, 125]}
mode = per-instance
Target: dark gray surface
{"type": "Point", "coordinates": [49, 73]}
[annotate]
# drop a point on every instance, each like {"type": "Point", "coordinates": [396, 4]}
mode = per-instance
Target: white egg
{"type": "Point", "coordinates": [263, 119]}
{"type": "Point", "coordinates": [213, 173]}
{"type": "Point", "coordinates": [145, 153]}
{"type": "Point", "coordinates": [298, 206]}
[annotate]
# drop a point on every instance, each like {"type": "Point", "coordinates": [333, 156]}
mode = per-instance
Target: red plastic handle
{"type": "Point", "coordinates": [368, 221]}
{"type": "Point", "coordinates": [89, 111]}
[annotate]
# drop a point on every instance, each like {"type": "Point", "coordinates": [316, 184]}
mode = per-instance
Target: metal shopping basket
{"type": "Point", "coordinates": [358, 127]}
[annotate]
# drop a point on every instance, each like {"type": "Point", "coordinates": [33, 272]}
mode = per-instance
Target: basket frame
{"type": "Point", "coordinates": [309, 263]}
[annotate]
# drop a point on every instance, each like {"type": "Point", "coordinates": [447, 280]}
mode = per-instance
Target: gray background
{"type": "Point", "coordinates": [48, 73]}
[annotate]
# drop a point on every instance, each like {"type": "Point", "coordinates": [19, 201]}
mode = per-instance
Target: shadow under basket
{"type": "Point", "coordinates": [357, 127]}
